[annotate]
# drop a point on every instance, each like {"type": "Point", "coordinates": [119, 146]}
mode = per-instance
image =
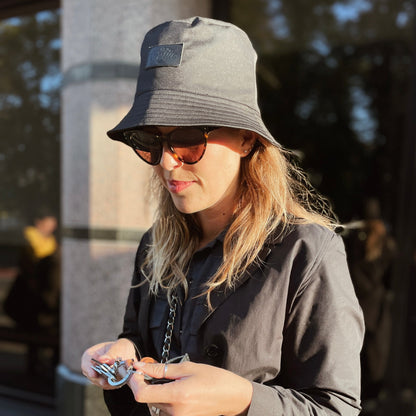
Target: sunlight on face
{"type": "Point", "coordinates": [210, 185]}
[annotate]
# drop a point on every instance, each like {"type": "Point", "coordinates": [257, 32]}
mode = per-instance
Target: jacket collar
{"type": "Point", "coordinates": [202, 312]}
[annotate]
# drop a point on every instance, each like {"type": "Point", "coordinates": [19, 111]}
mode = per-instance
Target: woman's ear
{"type": "Point", "coordinates": [247, 143]}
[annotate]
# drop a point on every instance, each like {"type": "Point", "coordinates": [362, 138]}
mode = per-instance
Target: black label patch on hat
{"type": "Point", "coordinates": [164, 55]}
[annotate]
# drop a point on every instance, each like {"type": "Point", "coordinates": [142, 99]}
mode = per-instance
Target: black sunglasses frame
{"type": "Point", "coordinates": [166, 138]}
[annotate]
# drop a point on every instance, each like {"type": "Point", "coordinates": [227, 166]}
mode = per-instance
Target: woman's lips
{"type": "Point", "coordinates": [178, 186]}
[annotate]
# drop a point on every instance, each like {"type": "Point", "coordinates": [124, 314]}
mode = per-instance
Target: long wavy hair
{"type": "Point", "coordinates": [274, 193]}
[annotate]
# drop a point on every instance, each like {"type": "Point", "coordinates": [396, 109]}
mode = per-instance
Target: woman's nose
{"type": "Point", "coordinates": [169, 160]}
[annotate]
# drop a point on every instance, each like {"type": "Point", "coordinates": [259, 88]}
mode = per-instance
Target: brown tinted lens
{"type": "Point", "coordinates": [147, 145]}
{"type": "Point", "coordinates": [188, 143]}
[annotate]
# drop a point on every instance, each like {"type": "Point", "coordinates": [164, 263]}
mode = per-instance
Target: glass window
{"type": "Point", "coordinates": [29, 120]}
{"type": "Point", "coordinates": [29, 188]}
{"type": "Point", "coordinates": [334, 84]}
{"type": "Point", "coordinates": [337, 85]}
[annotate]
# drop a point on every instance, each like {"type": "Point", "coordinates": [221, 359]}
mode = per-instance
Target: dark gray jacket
{"type": "Point", "coordinates": [292, 326]}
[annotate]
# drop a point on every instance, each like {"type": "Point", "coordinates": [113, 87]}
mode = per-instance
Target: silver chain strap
{"type": "Point", "coordinates": [169, 330]}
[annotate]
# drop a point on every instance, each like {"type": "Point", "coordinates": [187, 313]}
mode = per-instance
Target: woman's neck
{"type": "Point", "coordinates": [212, 224]}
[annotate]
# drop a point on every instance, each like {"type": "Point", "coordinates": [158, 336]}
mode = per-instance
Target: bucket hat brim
{"type": "Point", "coordinates": [179, 108]}
{"type": "Point", "coordinates": [196, 72]}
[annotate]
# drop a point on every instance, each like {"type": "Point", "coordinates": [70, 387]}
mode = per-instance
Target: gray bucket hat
{"type": "Point", "coordinates": [196, 72]}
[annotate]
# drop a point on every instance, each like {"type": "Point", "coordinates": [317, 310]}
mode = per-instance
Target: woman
{"type": "Point", "coordinates": [37, 284]}
{"type": "Point", "coordinates": [241, 269]}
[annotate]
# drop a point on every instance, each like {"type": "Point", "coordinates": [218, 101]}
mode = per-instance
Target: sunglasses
{"type": "Point", "coordinates": [188, 144]}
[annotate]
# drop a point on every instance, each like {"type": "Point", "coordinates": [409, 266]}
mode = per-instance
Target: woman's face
{"type": "Point", "coordinates": [46, 225]}
{"type": "Point", "coordinates": [210, 185]}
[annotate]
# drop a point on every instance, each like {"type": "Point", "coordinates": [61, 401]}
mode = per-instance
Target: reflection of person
{"type": "Point", "coordinates": [251, 280]}
{"type": "Point", "coordinates": [371, 252]}
{"type": "Point", "coordinates": [34, 296]}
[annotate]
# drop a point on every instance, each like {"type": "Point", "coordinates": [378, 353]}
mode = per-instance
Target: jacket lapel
{"type": "Point", "coordinates": [202, 312]}
{"type": "Point", "coordinates": [143, 319]}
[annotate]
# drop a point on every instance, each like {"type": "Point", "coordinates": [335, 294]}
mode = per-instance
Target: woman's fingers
{"type": "Point", "coordinates": [94, 352]}
{"type": "Point", "coordinates": [161, 370]}
{"type": "Point", "coordinates": [106, 352]}
{"type": "Point", "coordinates": [165, 394]}
{"type": "Point", "coordinates": [145, 392]}
{"type": "Point", "coordinates": [193, 387]}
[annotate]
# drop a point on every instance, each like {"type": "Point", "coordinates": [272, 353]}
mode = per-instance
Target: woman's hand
{"type": "Point", "coordinates": [197, 390]}
{"type": "Point", "coordinates": [106, 352]}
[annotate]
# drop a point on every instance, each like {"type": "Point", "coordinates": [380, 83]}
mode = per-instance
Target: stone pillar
{"type": "Point", "coordinates": [105, 208]}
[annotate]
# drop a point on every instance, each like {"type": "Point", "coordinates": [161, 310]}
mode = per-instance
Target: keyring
{"type": "Point", "coordinates": [115, 377]}
{"type": "Point", "coordinates": [120, 372]}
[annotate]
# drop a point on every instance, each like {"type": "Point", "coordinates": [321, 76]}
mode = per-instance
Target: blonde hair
{"type": "Point", "coordinates": [274, 193]}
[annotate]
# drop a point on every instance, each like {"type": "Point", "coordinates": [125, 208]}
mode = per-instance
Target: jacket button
{"type": "Point", "coordinates": [212, 351]}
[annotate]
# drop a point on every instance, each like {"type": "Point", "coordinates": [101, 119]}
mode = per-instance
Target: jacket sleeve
{"type": "Point", "coordinates": [322, 339]}
{"type": "Point", "coordinates": [130, 321]}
